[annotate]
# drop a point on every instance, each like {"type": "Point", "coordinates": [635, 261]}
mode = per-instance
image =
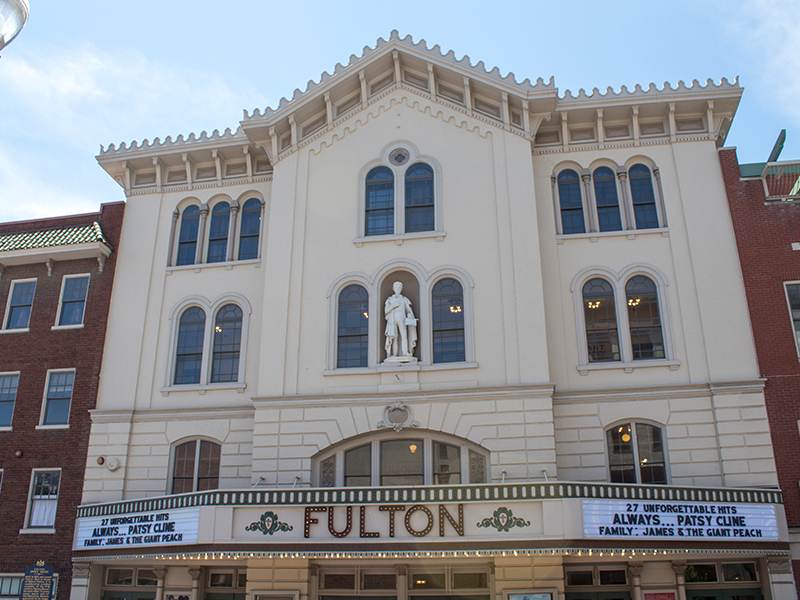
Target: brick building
{"type": "Point", "coordinates": [766, 217]}
{"type": "Point", "coordinates": [56, 276]}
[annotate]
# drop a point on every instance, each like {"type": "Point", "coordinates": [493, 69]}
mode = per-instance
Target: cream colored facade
{"type": "Point", "coordinates": [525, 396]}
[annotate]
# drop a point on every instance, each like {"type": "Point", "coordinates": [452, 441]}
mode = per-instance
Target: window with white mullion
{"type": "Point", "coordinates": [43, 501]}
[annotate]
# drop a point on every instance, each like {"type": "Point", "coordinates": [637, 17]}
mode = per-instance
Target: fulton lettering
{"type": "Point", "coordinates": [417, 520]}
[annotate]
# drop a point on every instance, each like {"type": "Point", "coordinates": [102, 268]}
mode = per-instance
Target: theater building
{"type": "Point", "coordinates": [56, 276]}
{"type": "Point", "coordinates": [427, 331]}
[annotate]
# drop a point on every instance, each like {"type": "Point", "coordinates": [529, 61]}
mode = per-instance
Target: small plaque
{"type": "Point", "coordinates": [39, 582]}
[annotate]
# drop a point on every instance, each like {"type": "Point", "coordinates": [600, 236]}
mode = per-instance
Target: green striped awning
{"type": "Point", "coordinates": [48, 238]}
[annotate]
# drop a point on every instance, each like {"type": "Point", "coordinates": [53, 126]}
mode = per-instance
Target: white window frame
{"type": "Point", "coordinates": [2, 477]}
{"type": "Point", "coordinates": [176, 233]}
{"type": "Point", "coordinates": [233, 222]}
{"type": "Point", "coordinates": [80, 325]}
{"type": "Point", "coordinates": [21, 577]}
{"type": "Point", "coordinates": [27, 529]}
{"type": "Point", "coordinates": [786, 285]}
{"type": "Point", "coordinates": [635, 445]}
{"type": "Point", "coordinates": [195, 476]}
{"type": "Point", "coordinates": [243, 199]}
{"type": "Point", "coordinates": [7, 314]}
{"type": "Point", "coordinates": [10, 426]}
{"type": "Point", "coordinates": [43, 408]}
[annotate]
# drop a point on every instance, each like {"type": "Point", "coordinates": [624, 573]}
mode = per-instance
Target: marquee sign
{"type": "Point", "coordinates": [161, 528]}
{"type": "Point", "coordinates": [658, 519]}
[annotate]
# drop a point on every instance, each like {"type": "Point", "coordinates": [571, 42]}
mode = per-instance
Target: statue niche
{"type": "Point", "coordinates": [400, 331]}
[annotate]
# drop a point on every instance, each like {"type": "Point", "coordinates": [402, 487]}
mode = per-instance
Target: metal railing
{"type": "Point", "coordinates": [782, 181]}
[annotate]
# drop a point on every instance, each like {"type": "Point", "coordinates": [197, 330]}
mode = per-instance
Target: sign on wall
{"type": "Point", "coordinates": [686, 520]}
{"type": "Point", "coordinates": [39, 582]}
{"type": "Point", "coordinates": [159, 528]}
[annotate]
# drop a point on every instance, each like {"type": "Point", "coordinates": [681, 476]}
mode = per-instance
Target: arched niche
{"type": "Point", "coordinates": [411, 290]}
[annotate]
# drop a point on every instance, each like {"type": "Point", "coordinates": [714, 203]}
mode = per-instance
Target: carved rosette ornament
{"type": "Point", "coordinates": [397, 416]}
{"type": "Point", "coordinates": [503, 519]}
{"type": "Point", "coordinates": [269, 524]}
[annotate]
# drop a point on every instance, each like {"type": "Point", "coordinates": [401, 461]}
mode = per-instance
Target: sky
{"type": "Point", "coordinates": [90, 72]}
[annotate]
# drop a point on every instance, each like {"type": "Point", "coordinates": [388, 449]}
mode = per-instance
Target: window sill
{"type": "Point", "coordinates": [400, 369]}
{"type": "Point", "coordinates": [628, 367]}
{"type": "Point", "coordinates": [6, 428]}
{"type": "Point", "coordinates": [37, 531]}
{"type": "Point", "coordinates": [66, 327]}
{"type": "Point", "coordinates": [203, 388]}
{"type": "Point", "coordinates": [219, 265]}
{"type": "Point", "coordinates": [25, 330]}
{"type": "Point", "coordinates": [64, 426]}
{"type": "Point", "coordinates": [594, 236]}
{"type": "Point", "coordinates": [399, 239]}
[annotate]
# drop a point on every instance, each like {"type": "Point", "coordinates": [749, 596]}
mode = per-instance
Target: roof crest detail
{"type": "Point", "coordinates": [168, 141]}
{"type": "Point", "coordinates": [666, 88]}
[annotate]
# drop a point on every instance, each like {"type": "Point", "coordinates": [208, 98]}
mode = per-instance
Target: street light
{"type": "Point", "coordinates": [13, 14]}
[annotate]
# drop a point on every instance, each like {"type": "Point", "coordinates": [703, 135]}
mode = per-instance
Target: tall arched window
{"type": "Point", "coordinates": [227, 344]}
{"type": "Point", "coordinates": [420, 210]}
{"type": "Point", "coordinates": [602, 337]}
{"type": "Point", "coordinates": [570, 202]}
{"type": "Point", "coordinates": [605, 194]}
{"type": "Point", "coordinates": [250, 229]}
{"type": "Point", "coordinates": [379, 206]}
{"type": "Point", "coordinates": [352, 336]}
{"type": "Point", "coordinates": [643, 196]}
{"type": "Point", "coordinates": [644, 318]}
{"type": "Point", "coordinates": [636, 453]}
{"type": "Point", "coordinates": [189, 347]}
{"type": "Point", "coordinates": [187, 236]}
{"type": "Point", "coordinates": [195, 466]}
{"type": "Point", "coordinates": [448, 321]}
{"type": "Point", "coordinates": [218, 233]}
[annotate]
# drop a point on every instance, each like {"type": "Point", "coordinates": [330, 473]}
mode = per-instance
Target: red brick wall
{"type": "Point", "coordinates": [32, 354]}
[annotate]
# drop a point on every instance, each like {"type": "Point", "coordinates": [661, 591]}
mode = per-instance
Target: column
{"type": "Point", "coordinates": [781, 580]}
{"type": "Point", "coordinates": [80, 581]}
{"type": "Point", "coordinates": [161, 574]}
{"type": "Point", "coordinates": [171, 258]}
{"type": "Point", "coordinates": [625, 201]}
{"type": "Point", "coordinates": [201, 234]}
{"type": "Point", "coordinates": [195, 574]}
{"type": "Point", "coordinates": [635, 571]}
{"type": "Point", "coordinates": [680, 578]}
{"type": "Point", "coordinates": [662, 209]}
{"type": "Point", "coordinates": [589, 207]}
{"type": "Point", "coordinates": [233, 238]}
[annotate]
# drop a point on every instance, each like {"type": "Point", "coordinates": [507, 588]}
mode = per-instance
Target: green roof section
{"type": "Point", "coordinates": [751, 169]}
{"type": "Point", "coordinates": [50, 238]}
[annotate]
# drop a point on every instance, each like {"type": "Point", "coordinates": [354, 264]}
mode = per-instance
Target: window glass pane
{"type": "Point", "coordinates": [227, 344]}
{"type": "Point", "coordinates": [119, 577]}
{"type": "Point", "coordinates": [644, 199]}
{"type": "Point", "coordinates": [651, 454]}
{"type": "Point", "coordinates": [463, 581]}
{"type": "Point", "coordinates": [208, 468]}
{"type": "Point", "coordinates": [379, 218]}
{"type": "Point", "coordinates": [8, 397]}
{"type": "Point", "coordinates": [739, 572]}
{"type": "Point", "coordinates": [579, 578]}
{"type": "Point", "coordinates": [448, 321]}
{"type": "Point", "coordinates": [146, 577]}
{"type": "Point", "coordinates": [420, 211]}
{"type": "Point", "coordinates": [701, 573]}
{"type": "Point", "coordinates": [189, 355]}
{"type": "Point", "coordinates": [427, 581]}
{"type": "Point", "coordinates": [241, 579]}
{"type": "Point", "coordinates": [569, 197]}
{"type": "Point", "coordinates": [183, 468]}
{"type": "Point", "coordinates": [19, 308]}
{"type": "Point", "coordinates": [250, 229]}
{"type": "Point", "coordinates": [220, 580]}
{"type": "Point", "coordinates": [327, 472]}
{"type": "Point", "coordinates": [187, 236]}
{"type": "Point", "coordinates": [352, 327]}
{"type": "Point", "coordinates": [339, 581]}
{"type": "Point", "coordinates": [59, 397]}
{"type": "Point", "coordinates": [477, 467]}
{"type": "Point", "coordinates": [401, 462]}
{"type": "Point", "coordinates": [218, 233]}
{"type": "Point", "coordinates": [446, 464]}
{"type": "Point", "coordinates": [44, 498]}
{"type": "Point", "coordinates": [358, 466]}
{"type": "Point", "coordinates": [620, 454]}
{"type": "Point", "coordinates": [73, 300]}
{"type": "Point", "coordinates": [613, 577]}
{"type": "Point", "coordinates": [379, 581]}
{"type": "Point", "coordinates": [10, 587]}
{"type": "Point", "coordinates": [605, 192]}
{"type": "Point", "coordinates": [793, 291]}
{"type": "Point", "coordinates": [644, 318]}
{"type": "Point", "coordinates": [602, 339]}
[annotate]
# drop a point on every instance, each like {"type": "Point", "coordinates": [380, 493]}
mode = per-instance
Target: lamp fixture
{"type": "Point", "coordinates": [593, 304]}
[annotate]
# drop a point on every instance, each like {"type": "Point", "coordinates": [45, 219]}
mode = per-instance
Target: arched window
{"type": "Point", "coordinates": [644, 318]}
{"type": "Point", "coordinates": [636, 453]}
{"type": "Point", "coordinates": [352, 336]}
{"type": "Point", "coordinates": [644, 198]}
{"type": "Point", "coordinates": [569, 198]}
{"type": "Point", "coordinates": [227, 344]}
{"type": "Point", "coordinates": [218, 233]}
{"type": "Point", "coordinates": [189, 347]}
{"type": "Point", "coordinates": [420, 210]}
{"type": "Point", "coordinates": [605, 194]}
{"type": "Point", "coordinates": [249, 229]}
{"type": "Point", "coordinates": [379, 206]}
{"type": "Point", "coordinates": [187, 236]}
{"type": "Point", "coordinates": [602, 337]}
{"type": "Point", "coordinates": [195, 467]}
{"type": "Point", "coordinates": [448, 321]}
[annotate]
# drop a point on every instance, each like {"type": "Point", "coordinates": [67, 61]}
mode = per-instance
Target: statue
{"type": "Point", "coordinates": [401, 327]}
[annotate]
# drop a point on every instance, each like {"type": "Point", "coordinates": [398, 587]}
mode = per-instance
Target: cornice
{"type": "Point", "coordinates": [206, 185]}
{"type": "Point", "coordinates": [201, 141]}
{"type": "Point", "coordinates": [171, 414]}
{"type": "Point", "coordinates": [667, 92]}
{"type": "Point", "coordinates": [661, 140]}
{"type": "Point", "coordinates": [754, 386]}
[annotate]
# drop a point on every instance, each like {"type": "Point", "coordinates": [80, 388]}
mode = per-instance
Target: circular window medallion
{"type": "Point", "coordinates": [399, 156]}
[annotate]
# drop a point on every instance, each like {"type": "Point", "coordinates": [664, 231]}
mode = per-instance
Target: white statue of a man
{"type": "Point", "coordinates": [401, 327]}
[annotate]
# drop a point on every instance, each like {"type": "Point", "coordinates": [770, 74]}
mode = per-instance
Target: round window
{"type": "Point", "coordinates": [399, 156]}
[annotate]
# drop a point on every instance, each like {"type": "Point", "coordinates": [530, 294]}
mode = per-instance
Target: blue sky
{"type": "Point", "coordinates": [85, 73]}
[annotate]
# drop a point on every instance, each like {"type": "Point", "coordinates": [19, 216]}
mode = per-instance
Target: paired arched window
{"type": "Point", "coordinates": [447, 301]}
{"type": "Point", "coordinates": [571, 202]}
{"type": "Point", "coordinates": [420, 207]}
{"type": "Point", "coordinates": [605, 195]}
{"type": "Point", "coordinates": [187, 236]}
{"type": "Point", "coordinates": [643, 197]}
{"type": "Point", "coordinates": [379, 210]}
{"type": "Point", "coordinates": [218, 233]}
{"type": "Point", "coordinates": [636, 453]}
{"type": "Point", "coordinates": [190, 348]}
{"type": "Point", "coordinates": [352, 330]}
{"type": "Point", "coordinates": [250, 229]}
{"type": "Point", "coordinates": [195, 466]}
{"type": "Point", "coordinates": [641, 320]}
